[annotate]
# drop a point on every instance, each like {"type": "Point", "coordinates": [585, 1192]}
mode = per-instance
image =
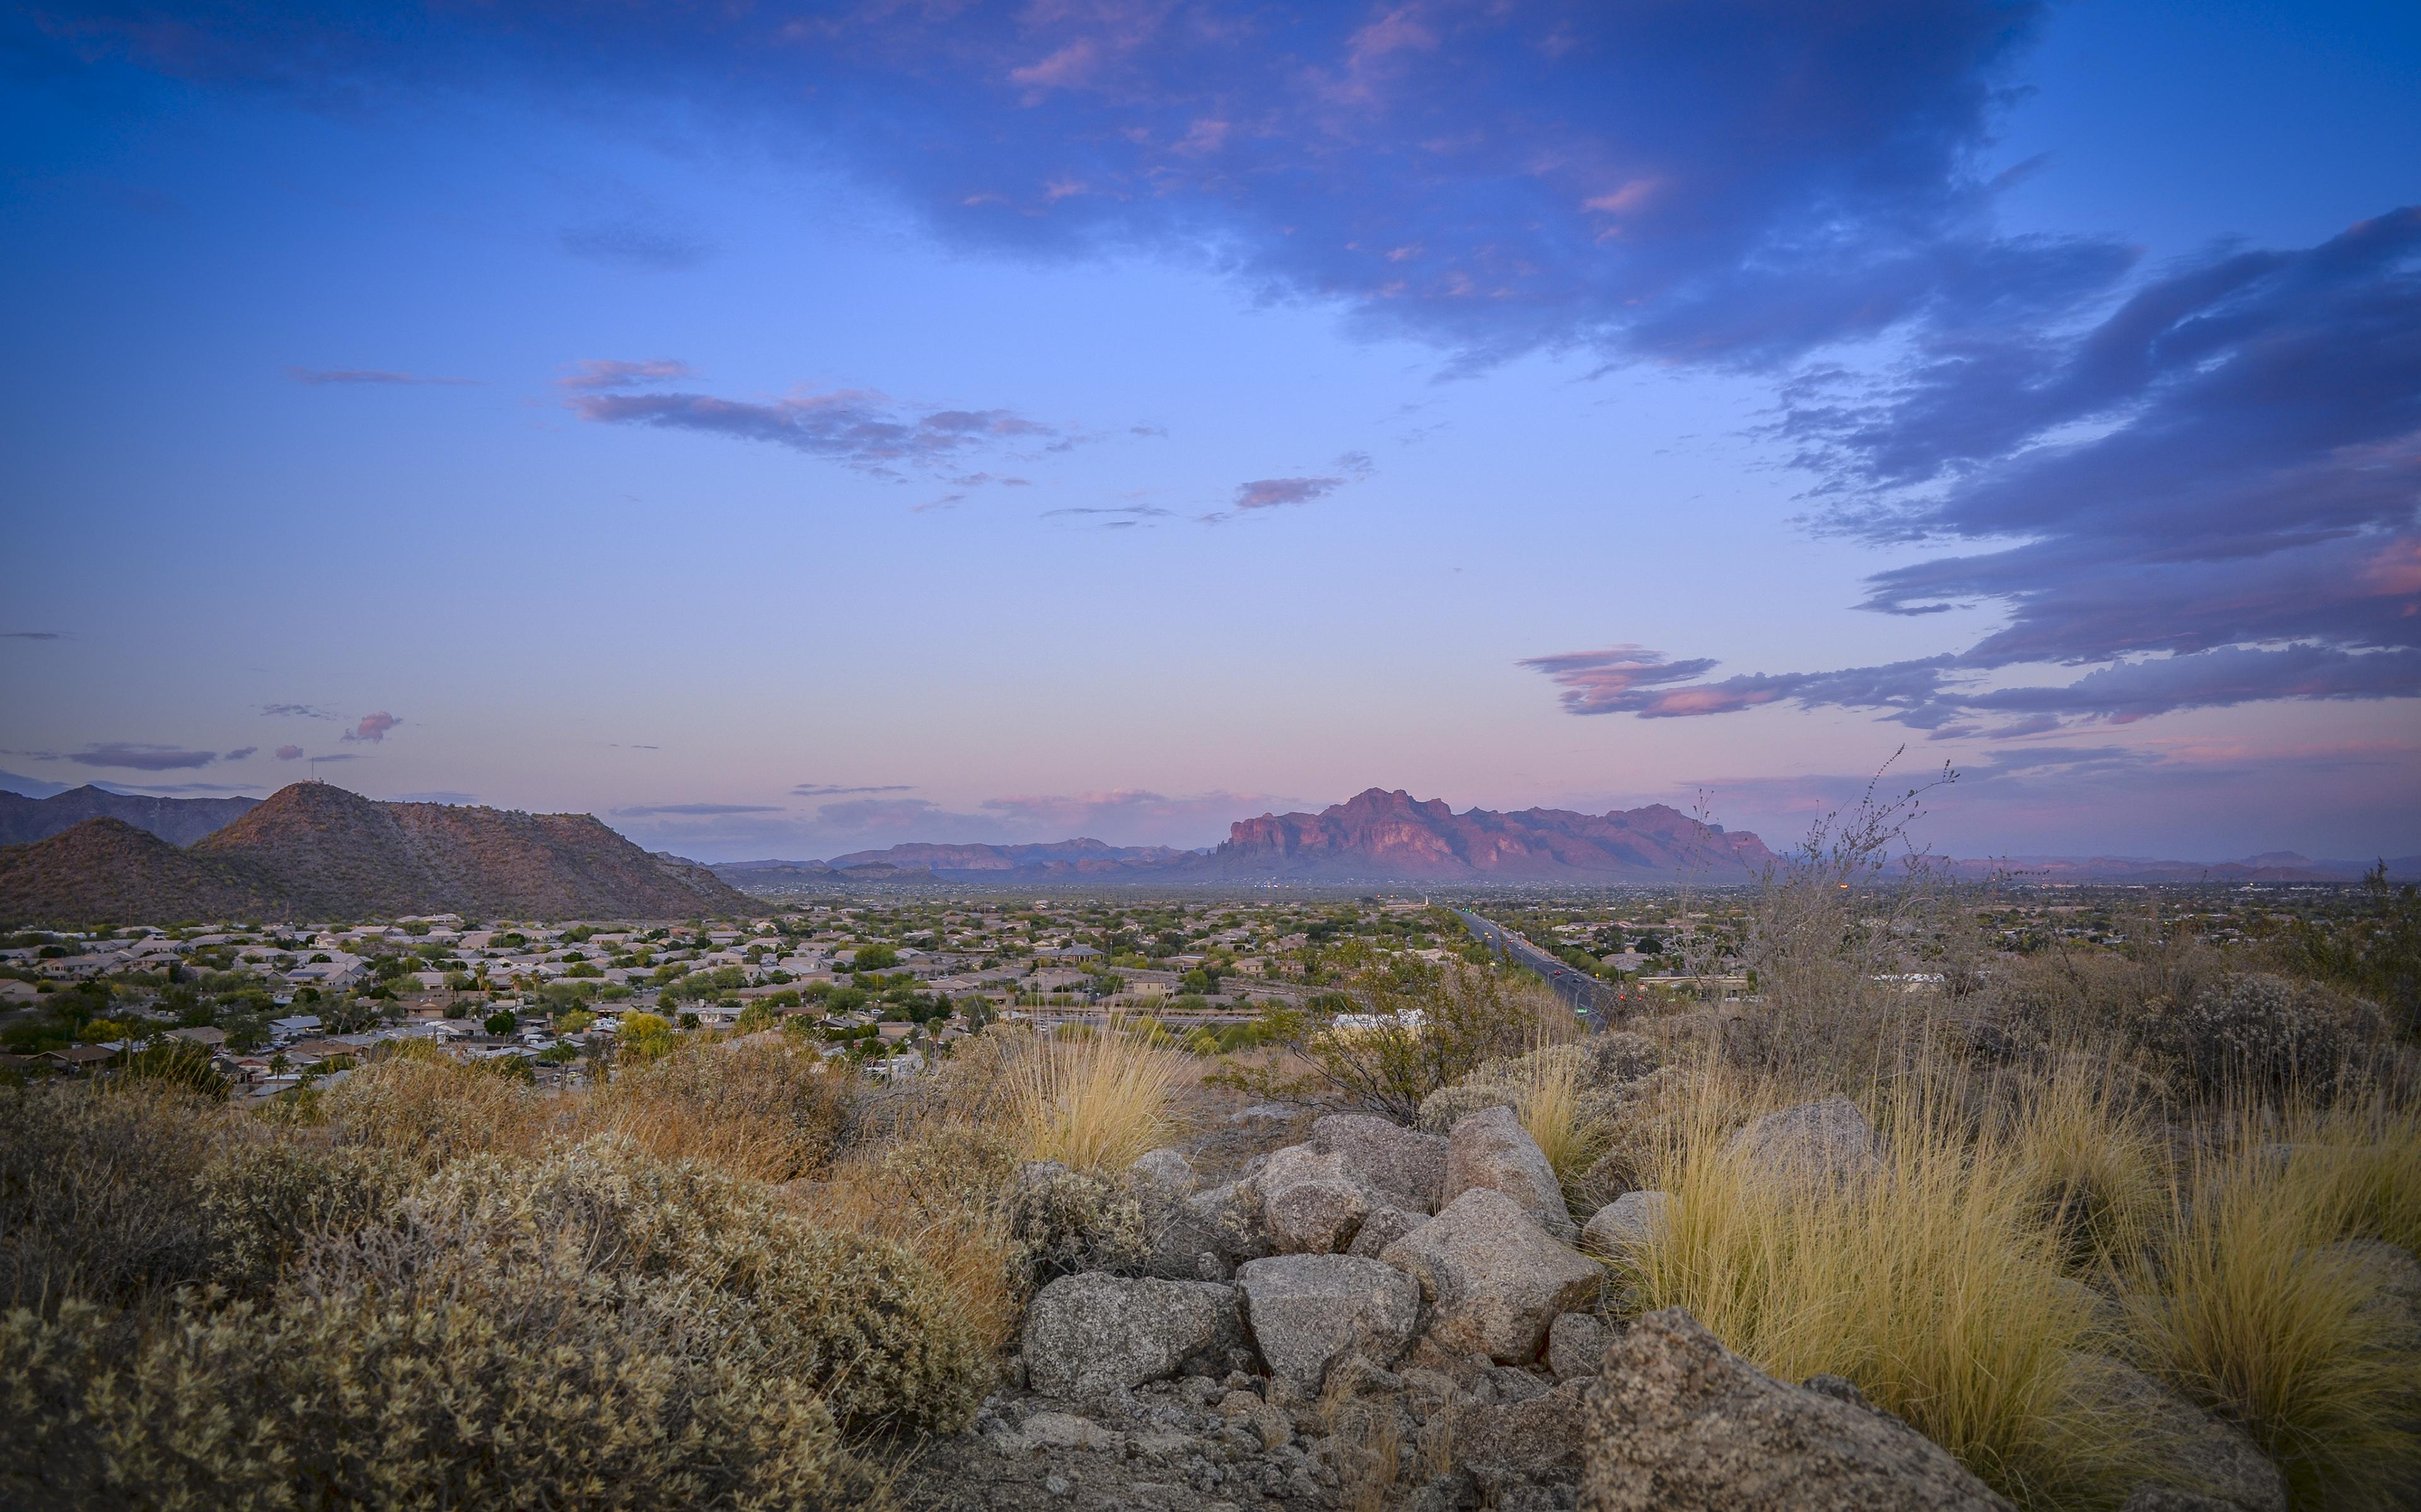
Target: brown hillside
{"type": "Point", "coordinates": [342, 855]}
{"type": "Point", "coordinates": [105, 870]}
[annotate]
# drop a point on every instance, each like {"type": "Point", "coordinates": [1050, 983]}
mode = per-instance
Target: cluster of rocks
{"type": "Point", "coordinates": [1382, 1316]}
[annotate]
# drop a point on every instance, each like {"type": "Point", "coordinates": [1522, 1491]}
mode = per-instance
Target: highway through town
{"type": "Point", "coordinates": [1578, 988]}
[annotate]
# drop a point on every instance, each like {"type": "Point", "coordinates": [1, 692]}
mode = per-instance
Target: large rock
{"type": "Point", "coordinates": [1491, 1150]}
{"type": "Point", "coordinates": [1165, 1171]}
{"type": "Point", "coordinates": [1626, 1222]}
{"type": "Point", "coordinates": [2188, 1450]}
{"type": "Point", "coordinates": [1309, 1311]}
{"type": "Point", "coordinates": [1095, 1335]}
{"type": "Point", "coordinates": [1576, 1345]}
{"type": "Point", "coordinates": [1680, 1424]}
{"type": "Point", "coordinates": [1405, 1165]}
{"type": "Point", "coordinates": [1385, 1226]}
{"type": "Point", "coordinates": [1541, 1438]}
{"type": "Point", "coordinates": [1815, 1141]}
{"type": "Point", "coordinates": [1224, 1219]}
{"type": "Point", "coordinates": [1310, 1202]}
{"type": "Point", "coordinates": [1494, 1279]}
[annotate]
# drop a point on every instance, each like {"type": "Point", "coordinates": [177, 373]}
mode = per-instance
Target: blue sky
{"type": "Point", "coordinates": [792, 429]}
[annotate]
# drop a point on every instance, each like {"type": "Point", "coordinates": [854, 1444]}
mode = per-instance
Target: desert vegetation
{"type": "Point", "coordinates": [2069, 1215]}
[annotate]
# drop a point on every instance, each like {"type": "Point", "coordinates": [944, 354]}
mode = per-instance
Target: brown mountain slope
{"type": "Point", "coordinates": [313, 850]}
{"type": "Point", "coordinates": [340, 854]}
{"type": "Point", "coordinates": [105, 870]}
{"type": "Point", "coordinates": [1387, 836]}
{"type": "Point", "coordinates": [177, 821]}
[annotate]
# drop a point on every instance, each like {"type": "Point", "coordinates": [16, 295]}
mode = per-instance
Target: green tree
{"type": "Point", "coordinates": [502, 1021]}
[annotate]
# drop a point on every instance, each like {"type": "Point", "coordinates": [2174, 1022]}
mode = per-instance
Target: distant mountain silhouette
{"type": "Point", "coordinates": [177, 821]}
{"type": "Point", "coordinates": [1376, 836]}
{"type": "Point", "coordinates": [317, 852]}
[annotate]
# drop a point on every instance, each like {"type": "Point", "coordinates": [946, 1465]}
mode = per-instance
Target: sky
{"type": "Point", "coordinates": [788, 429]}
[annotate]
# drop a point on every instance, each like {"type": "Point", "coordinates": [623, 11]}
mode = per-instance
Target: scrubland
{"type": "Point", "coordinates": [730, 1277]}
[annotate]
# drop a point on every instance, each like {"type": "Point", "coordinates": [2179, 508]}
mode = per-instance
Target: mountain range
{"type": "Point", "coordinates": [313, 850]}
{"type": "Point", "coordinates": [1376, 836]}
{"type": "Point", "coordinates": [177, 821]}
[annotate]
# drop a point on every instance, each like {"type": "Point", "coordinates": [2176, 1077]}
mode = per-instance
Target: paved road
{"type": "Point", "coordinates": [1585, 993]}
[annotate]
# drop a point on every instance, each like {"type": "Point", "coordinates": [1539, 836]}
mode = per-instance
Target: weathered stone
{"type": "Point", "coordinates": [1310, 1203]}
{"type": "Point", "coordinates": [2391, 1316]}
{"type": "Point", "coordinates": [1828, 1141]}
{"type": "Point", "coordinates": [1490, 1149]}
{"type": "Point", "coordinates": [1166, 1170]}
{"type": "Point", "coordinates": [1494, 1279]}
{"type": "Point", "coordinates": [1268, 1423]}
{"type": "Point", "coordinates": [1309, 1311]}
{"type": "Point", "coordinates": [1627, 1220]}
{"type": "Point", "coordinates": [2169, 1499]}
{"type": "Point", "coordinates": [1680, 1424]}
{"type": "Point", "coordinates": [1576, 1345]}
{"type": "Point", "coordinates": [1065, 1430]}
{"type": "Point", "coordinates": [2191, 1451]}
{"type": "Point", "coordinates": [1225, 1220]}
{"type": "Point", "coordinates": [1540, 1438]}
{"type": "Point", "coordinates": [1406, 1165]}
{"type": "Point", "coordinates": [1385, 1226]}
{"type": "Point", "coordinates": [1095, 1335]}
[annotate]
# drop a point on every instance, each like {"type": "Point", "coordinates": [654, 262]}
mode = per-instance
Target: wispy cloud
{"type": "Point", "coordinates": [373, 375]}
{"type": "Point", "coordinates": [858, 428]}
{"type": "Point", "coordinates": [1111, 517]}
{"type": "Point", "coordinates": [141, 756]}
{"type": "Point", "coordinates": [32, 636]}
{"type": "Point", "coordinates": [441, 795]}
{"type": "Point", "coordinates": [825, 789]}
{"type": "Point", "coordinates": [297, 712]}
{"type": "Point", "coordinates": [634, 241]}
{"type": "Point", "coordinates": [600, 374]}
{"type": "Point", "coordinates": [653, 810]}
{"type": "Point", "coordinates": [373, 728]}
{"type": "Point", "coordinates": [241, 752]}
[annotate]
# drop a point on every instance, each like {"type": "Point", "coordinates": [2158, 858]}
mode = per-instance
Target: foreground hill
{"type": "Point", "coordinates": [177, 821]}
{"type": "Point", "coordinates": [105, 870]}
{"type": "Point", "coordinates": [318, 850]}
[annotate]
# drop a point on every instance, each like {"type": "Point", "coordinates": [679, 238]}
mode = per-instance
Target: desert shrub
{"type": "Point", "coordinates": [1064, 1221]}
{"type": "Point", "coordinates": [855, 1317]}
{"type": "Point", "coordinates": [179, 1064]}
{"type": "Point", "coordinates": [754, 1107]}
{"type": "Point", "coordinates": [1931, 1284]}
{"type": "Point", "coordinates": [428, 1109]}
{"type": "Point", "coordinates": [645, 1037]}
{"type": "Point", "coordinates": [97, 1194]}
{"type": "Point", "coordinates": [264, 1201]}
{"type": "Point", "coordinates": [2254, 1031]}
{"type": "Point", "coordinates": [952, 1168]}
{"type": "Point", "coordinates": [1394, 1036]}
{"type": "Point", "coordinates": [940, 1193]}
{"type": "Point", "coordinates": [2251, 1311]}
{"type": "Point", "coordinates": [512, 1388]}
{"type": "Point", "coordinates": [1093, 1103]}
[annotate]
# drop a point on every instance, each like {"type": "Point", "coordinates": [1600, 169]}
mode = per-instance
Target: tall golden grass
{"type": "Point", "coordinates": [2248, 1306]}
{"type": "Point", "coordinates": [1094, 1102]}
{"type": "Point", "coordinates": [1934, 1284]}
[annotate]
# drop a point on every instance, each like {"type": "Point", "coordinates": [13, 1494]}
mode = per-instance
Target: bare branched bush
{"type": "Point", "coordinates": [1394, 1036]}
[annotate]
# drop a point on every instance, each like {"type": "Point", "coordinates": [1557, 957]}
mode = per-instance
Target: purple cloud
{"type": "Point", "coordinates": [825, 789]}
{"type": "Point", "coordinates": [372, 728]}
{"type": "Point", "coordinates": [297, 712]}
{"type": "Point", "coordinates": [655, 810]}
{"type": "Point", "coordinates": [240, 753]}
{"type": "Point", "coordinates": [859, 428]}
{"type": "Point", "coordinates": [31, 635]}
{"type": "Point", "coordinates": [289, 752]}
{"type": "Point", "coordinates": [139, 757]}
{"type": "Point", "coordinates": [1276, 492]}
{"type": "Point", "coordinates": [371, 375]}
{"type": "Point", "coordinates": [602, 373]}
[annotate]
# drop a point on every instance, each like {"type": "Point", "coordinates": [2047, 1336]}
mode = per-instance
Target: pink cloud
{"type": "Point", "coordinates": [373, 728]}
{"type": "Point", "coordinates": [289, 752]}
{"type": "Point", "coordinates": [600, 373]}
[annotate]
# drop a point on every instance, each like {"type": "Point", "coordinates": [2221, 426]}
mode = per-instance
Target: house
{"type": "Point", "coordinates": [80, 1057]}
{"type": "Point", "coordinates": [293, 1027]}
{"type": "Point", "coordinates": [203, 1035]}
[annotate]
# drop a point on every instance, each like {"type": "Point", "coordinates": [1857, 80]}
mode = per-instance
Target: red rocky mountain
{"type": "Point", "coordinates": [1382, 835]}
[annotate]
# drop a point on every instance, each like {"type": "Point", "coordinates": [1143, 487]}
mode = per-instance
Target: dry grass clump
{"type": "Point", "coordinates": [2252, 1308]}
{"type": "Point", "coordinates": [429, 1109]}
{"type": "Point", "coordinates": [2092, 1163]}
{"type": "Point", "coordinates": [756, 1107]}
{"type": "Point", "coordinates": [1932, 1285]}
{"type": "Point", "coordinates": [98, 1190]}
{"type": "Point", "coordinates": [1093, 1103]}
